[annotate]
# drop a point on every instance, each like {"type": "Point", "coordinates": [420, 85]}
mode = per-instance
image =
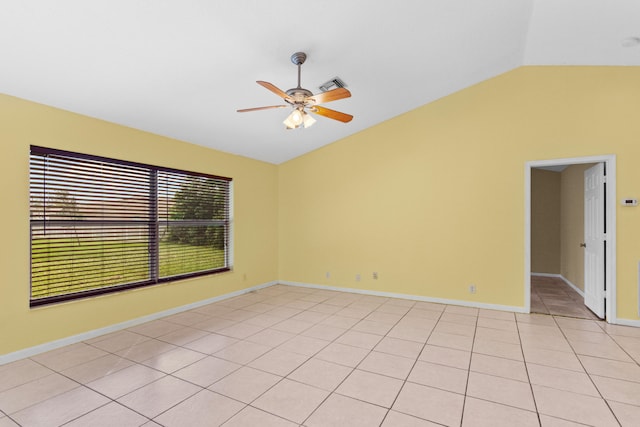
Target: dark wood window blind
{"type": "Point", "coordinates": [102, 225]}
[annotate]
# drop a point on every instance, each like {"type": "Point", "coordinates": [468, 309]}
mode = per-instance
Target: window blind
{"type": "Point", "coordinates": [103, 225]}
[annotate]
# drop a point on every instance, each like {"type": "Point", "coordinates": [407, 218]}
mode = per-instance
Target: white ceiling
{"type": "Point", "coordinates": [181, 68]}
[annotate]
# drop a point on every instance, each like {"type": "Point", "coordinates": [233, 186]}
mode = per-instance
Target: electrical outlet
{"type": "Point", "coordinates": [327, 274]}
{"type": "Point", "coordinates": [472, 289]}
{"type": "Point", "coordinates": [375, 275]}
{"type": "Point", "coordinates": [358, 277]}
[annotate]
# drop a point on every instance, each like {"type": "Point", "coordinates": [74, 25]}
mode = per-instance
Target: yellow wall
{"type": "Point", "coordinates": [545, 221]}
{"type": "Point", "coordinates": [24, 123]}
{"type": "Point", "coordinates": [572, 220]}
{"type": "Point", "coordinates": [433, 200]}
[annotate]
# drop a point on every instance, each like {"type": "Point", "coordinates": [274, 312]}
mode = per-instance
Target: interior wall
{"type": "Point", "coordinates": [572, 220]}
{"type": "Point", "coordinates": [433, 200]}
{"type": "Point", "coordinates": [255, 222]}
{"type": "Point", "coordinates": [545, 221]}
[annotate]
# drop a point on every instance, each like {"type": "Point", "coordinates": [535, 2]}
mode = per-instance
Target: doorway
{"type": "Point", "coordinates": [608, 294]}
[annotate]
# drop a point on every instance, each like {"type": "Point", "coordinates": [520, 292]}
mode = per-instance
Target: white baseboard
{"type": "Point", "coordinates": [564, 279]}
{"type": "Point", "coordinates": [52, 345]}
{"type": "Point", "coordinates": [409, 297]}
{"type": "Point", "coordinates": [627, 322]}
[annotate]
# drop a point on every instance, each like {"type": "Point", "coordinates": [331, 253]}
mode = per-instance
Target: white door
{"type": "Point", "coordinates": [594, 239]}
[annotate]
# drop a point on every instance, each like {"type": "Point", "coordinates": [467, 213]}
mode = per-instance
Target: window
{"type": "Point", "coordinates": [100, 225]}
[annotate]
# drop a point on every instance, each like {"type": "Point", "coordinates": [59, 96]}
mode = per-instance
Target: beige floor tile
{"type": "Point", "coordinates": [439, 376]}
{"type": "Point", "coordinates": [304, 345]}
{"type": "Point", "coordinates": [605, 351]}
{"type": "Point", "coordinates": [173, 360]}
{"type": "Point", "coordinates": [204, 409]}
{"type": "Point", "coordinates": [36, 391]}
{"type": "Point", "coordinates": [342, 354]}
{"type": "Point", "coordinates": [112, 414]}
{"type": "Point", "coordinates": [310, 317]}
{"type": "Point", "coordinates": [264, 320]}
{"type": "Point", "coordinates": [125, 381]}
{"type": "Point", "coordinates": [432, 306]}
{"type": "Point", "coordinates": [466, 311]}
{"type": "Point", "coordinates": [501, 390]}
{"type": "Point", "coordinates": [117, 340]}
{"type": "Point", "coordinates": [496, 314]}
{"type": "Point", "coordinates": [534, 318]}
{"type": "Point", "coordinates": [378, 316]}
{"type": "Point", "coordinates": [561, 379]}
{"type": "Point", "coordinates": [246, 384]}
{"type": "Point", "coordinates": [339, 321]}
{"type": "Point", "coordinates": [387, 364]}
{"type": "Point", "coordinates": [446, 356]}
{"type": "Point", "coordinates": [431, 404]}
{"type": "Point", "coordinates": [183, 336]}
{"type": "Point", "coordinates": [145, 350]}
{"type": "Point", "coordinates": [618, 390]}
{"type": "Point", "coordinates": [252, 417]}
{"type": "Point", "coordinates": [214, 324]}
{"type": "Point", "coordinates": [480, 413]}
{"type": "Point", "coordinates": [500, 367]}
{"type": "Point", "coordinates": [238, 315]}
{"type": "Point", "coordinates": [556, 359]}
{"type": "Point", "coordinates": [207, 371]}
{"type": "Point", "coordinates": [340, 410]}
{"type": "Point", "coordinates": [324, 332]}
{"type": "Point", "coordinates": [61, 408]}
{"type": "Point", "coordinates": [284, 312]}
{"type": "Point", "coordinates": [69, 356]}
{"type": "Point", "coordinates": [291, 400]}
{"type": "Point", "coordinates": [502, 325]}
{"type": "Point", "coordinates": [242, 352]}
{"type": "Point", "coordinates": [569, 406]}
{"type": "Point", "coordinates": [279, 362]}
{"type": "Point", "coordinates": [155, 398]}
{"type": "Point", "coordinates": [292, 326]}
{"type": "Point", "coordinates": [397, 419]}
{"type": "Point", "coordinates": [240, 330]}
{"type": "Point", "coordinates": [611, 368]}
{"type": "Point", "coordinates": [325, 308]}
{"type": "Point", "coordinates": [359, 339]}
{"type": "Point", "coordinates": [371, 327]}
{"type": "Point", "coordinates": [467, 330]}
{"type": "Point", "coordinates": [7, 422]}
{"type": "Point", "coordinates": [627, 415]}
{"type": "Point", "coordinates": [369, 387]}
{"type": "Point", "coordinates": [581, 324]}
{"type": "Point", "coordinates": [458, 342]}
{"type": "Point", "coordinates": [419, 313]}
{"type": "Point", "coordinates": [545, 342]}
{"type": "Point", "coordinates": [399, 347]}
{"type": "Point", "coordinates": [97, 368]}
{"type": "Point", "coordinates": [547, 421]}
{"type": "Point", "coordinates": [155, 328]}
{"type": "Point", "coordinates": [354, 312]}
{"type": "Point", "coordinates": [21, 372]}
{"type": "Point", "coordinates": [321, 374]}
{"type": "Point", "coordinates": [187, 318]}
{"type": "Point", "coordinates": [210, 343]}
{"type": "Point", "coordinates": [498, 349]}
{"type": "Point", "coordinates": [508, 337]}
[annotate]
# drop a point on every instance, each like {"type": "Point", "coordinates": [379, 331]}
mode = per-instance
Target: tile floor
{"type": "Point", "coordinates": [551, 295]}
{"type": "Point", "coordinates": [286, 356]}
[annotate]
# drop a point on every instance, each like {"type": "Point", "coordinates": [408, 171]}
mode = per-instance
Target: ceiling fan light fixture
{"type": "Point", "coordinates": [298, 118]}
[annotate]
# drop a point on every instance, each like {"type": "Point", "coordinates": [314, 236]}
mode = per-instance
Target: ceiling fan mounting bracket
{"type": "Point", "coordinates": [298, 58]}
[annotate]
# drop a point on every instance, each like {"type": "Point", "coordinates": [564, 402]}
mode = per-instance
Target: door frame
{"type": "Point", "coordinates": [610, 213]}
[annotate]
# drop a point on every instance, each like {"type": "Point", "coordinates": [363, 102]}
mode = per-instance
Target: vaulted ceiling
{"type": "Point", "coordinates": [181, 68]}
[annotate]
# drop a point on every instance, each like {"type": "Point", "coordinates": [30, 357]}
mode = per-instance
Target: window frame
{"type": "Point", "coordinates": [154, 224]}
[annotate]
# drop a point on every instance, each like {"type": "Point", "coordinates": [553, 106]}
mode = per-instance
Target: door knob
{"type": "Point", "coordinates": [583, 245]}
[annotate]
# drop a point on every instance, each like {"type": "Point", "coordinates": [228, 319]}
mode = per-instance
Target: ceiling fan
{"type": "Point", "coordinates": [303, 101]}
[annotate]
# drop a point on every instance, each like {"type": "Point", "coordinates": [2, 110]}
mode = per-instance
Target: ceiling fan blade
{"type": "Point", "coordinates": [332, 114]}
{"type": "Point", "coordinates": [261, 108]}
{"type": "Point", "coordinates": [332, 95]}
{"type": "Point", "coordinates": [274, 89]}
